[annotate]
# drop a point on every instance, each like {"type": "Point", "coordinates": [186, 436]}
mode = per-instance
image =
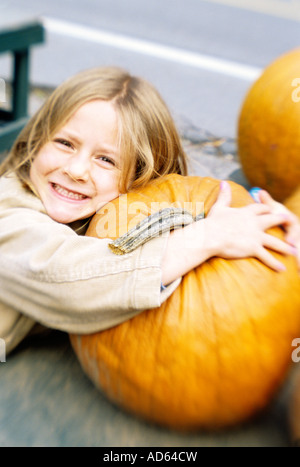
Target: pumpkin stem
{"type": "Point", "coordinates": [156, 224]}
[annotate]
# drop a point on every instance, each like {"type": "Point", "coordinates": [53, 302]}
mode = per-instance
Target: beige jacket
{"type": "Point", "coordinates": [52, 276]}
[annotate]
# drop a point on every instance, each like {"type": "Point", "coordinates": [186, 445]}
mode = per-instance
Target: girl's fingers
{"type": "Point", "coordinates": [282, 247]}
{"type": "Point", "coordinates": [293, 234]}
{"type": "Point", "coordinates": [263, 197]}
{"type": "Point", "coordinates": [259, 209]}
{"type": "Point", "coordinates": [224, 197]}
{"type": "Point", "coordinates": [269, 260]}
{"type": "Point", "coordinates": [274, 243]}
{"type": "Point", "coordinates": [254, 192]}
{"type": "Point", "coordinates": [266, 198]}
{"type": "Point", "coordinates": [272, 220]}
{"type": "Point", "coordinates": [277, 208]}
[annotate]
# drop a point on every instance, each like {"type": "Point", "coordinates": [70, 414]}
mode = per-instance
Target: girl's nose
{"type": "Point", "coordinates": [78, 167]}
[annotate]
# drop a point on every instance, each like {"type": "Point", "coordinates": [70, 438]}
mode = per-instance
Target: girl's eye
{"type": "Point", "coordinates": [63, 142]}
{"type": "Point", "coordinates": [106, 159]}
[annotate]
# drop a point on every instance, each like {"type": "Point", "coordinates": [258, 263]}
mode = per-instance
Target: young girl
{"type": "Point", "coordinates": [100, 134]}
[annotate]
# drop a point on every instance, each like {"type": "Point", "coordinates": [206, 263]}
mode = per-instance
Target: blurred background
{"type": "Point", "coordinates": [203, 56]}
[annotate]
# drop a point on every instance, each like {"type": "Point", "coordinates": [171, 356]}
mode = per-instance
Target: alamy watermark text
{"type": "Point", "coordinates": [2, 90]}
{"type": "Point", "coordinates": [2, 351]}
{"type": "Point", "coordinates": [296, 92]}
{"type": "Point", "coordinates": [296, 352]}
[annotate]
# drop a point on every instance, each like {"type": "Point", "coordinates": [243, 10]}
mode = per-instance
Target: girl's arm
{"type": "Point", "coordinates": [228, 233]}
{"type": "Point", "coordinates": [76, 284]}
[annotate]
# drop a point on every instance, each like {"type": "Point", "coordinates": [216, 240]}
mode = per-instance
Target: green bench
{"type": "Point", "coordinates": [17, 40]}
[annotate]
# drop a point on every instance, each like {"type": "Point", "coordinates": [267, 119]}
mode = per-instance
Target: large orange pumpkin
{"type": "Point", "coordinates": [268, 128]}
{"type": "Point", "coordinates": [217, 350]}
{"type": "Point", "coordinates": [293, 202]}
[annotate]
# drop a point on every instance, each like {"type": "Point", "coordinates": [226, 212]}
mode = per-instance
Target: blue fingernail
{"type": "Point", "coordinates": [254, 193]}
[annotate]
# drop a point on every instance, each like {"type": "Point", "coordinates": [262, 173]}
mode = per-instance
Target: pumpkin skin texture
{"type": "Point", "coordinates": [217, 350]}
{"type": "Point", "coordinates": [293, 202]}
{"type": "Point", "coordinates": [268, 128]}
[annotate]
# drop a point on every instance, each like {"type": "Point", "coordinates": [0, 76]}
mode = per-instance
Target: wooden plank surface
{"type": "Point", "coordinates": [46, 400]}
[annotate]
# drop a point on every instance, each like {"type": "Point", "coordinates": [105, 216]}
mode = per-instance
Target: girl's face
{"type": "Point", "coordinates": [78, 171]}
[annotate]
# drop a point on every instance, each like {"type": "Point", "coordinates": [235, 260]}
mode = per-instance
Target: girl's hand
{"type": "Point", "coordinates": [227, 232]}
{"type": "Point", "coordinates": [291, 225]}
{"type": "Point", "coordinates": [241, 232]}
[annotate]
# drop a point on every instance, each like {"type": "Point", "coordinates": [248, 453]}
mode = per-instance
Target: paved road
{"type": "Point", "coordinates": [202, 55]}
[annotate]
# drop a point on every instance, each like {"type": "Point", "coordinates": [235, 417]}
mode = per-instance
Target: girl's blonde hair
{"type": "Point", "coordinates": [149, 140]}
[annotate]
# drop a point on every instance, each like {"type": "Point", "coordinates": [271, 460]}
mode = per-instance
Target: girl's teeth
{"type": "Point", "coordinates": [68, 194]}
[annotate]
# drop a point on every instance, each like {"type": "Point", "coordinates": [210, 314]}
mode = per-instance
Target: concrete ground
{"type": "Point", "coordinates": [46, 400]}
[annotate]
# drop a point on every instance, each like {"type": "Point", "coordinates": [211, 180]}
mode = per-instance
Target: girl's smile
{"type": "Point", "coordinates": [78, 171]}
{"type": "Point", "coordinates": [66, 194]}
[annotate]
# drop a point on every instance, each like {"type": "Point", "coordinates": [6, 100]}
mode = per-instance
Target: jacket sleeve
{"type": "Point", "coordinates": [70, 282]}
